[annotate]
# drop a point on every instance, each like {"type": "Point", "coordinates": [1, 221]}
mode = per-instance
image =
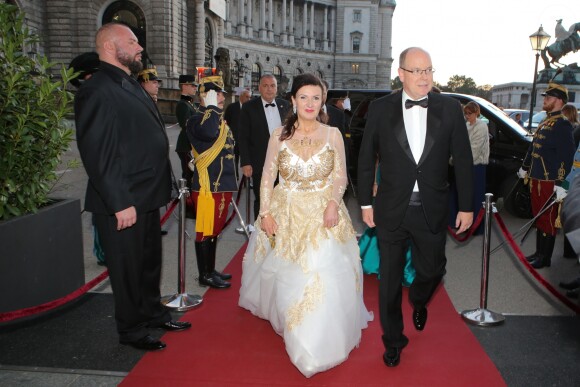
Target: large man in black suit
{"type": "Point", "coordinates": [413, 142]}
{"type": "Point", "coordinates": [259, 118]}
{"type": "Point", "coordinates": [232, 117]}
{"type": "Point", "coordinates": [124, 148]}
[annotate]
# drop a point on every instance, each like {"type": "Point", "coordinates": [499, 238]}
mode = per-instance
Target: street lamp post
{"type": "Point", "coordinates": [539, 41]}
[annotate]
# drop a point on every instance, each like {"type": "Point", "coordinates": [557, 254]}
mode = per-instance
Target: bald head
{"type": "Point", "coordinates": [117, 44]}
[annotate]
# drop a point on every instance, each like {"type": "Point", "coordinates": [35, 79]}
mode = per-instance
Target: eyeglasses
{"type": "Point", "coordinates": [418, 72]}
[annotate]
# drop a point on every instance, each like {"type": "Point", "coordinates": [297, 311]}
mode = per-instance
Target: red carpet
{"type": "Point", "coordinates": [228, 346]}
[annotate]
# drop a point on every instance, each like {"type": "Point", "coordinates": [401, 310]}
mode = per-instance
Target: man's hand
{"type": "Point", "coordinates": [247, 170]}
{"type": "Point", "coordinates": [368, 217]}
{"type": "Point", "coordinates": [210, 98]}
{"type": "Point", "coordinates": [463, 221]}
{"type": "Point", "coordinates": [126, 218]}
{"type": "Point", "coordinates": [522, 174]}
{"type": "Point", "coordinates": [561, 193]}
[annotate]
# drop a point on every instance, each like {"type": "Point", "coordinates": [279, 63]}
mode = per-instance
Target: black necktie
{"type": "Point", "coordinates": [410, 103]}
{"type": "Point", "coordinates": [270, 104]}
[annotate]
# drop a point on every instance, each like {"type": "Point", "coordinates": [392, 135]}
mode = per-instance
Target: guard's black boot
{"type": "Point", "coordinates": [545, 258]}
{"type": "Point", "coordinates": [206, 265]}
{"type": "Point", "coordinates": [539, 240]}
{"type": "Point", "coordinates": [224, 276]}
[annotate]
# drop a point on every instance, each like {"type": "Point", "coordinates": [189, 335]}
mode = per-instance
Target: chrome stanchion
{"type": "Point", "coordinates": [482, 316]}
{"type": "Point", "coordinates": [246, 228]}
{"type": "Point", "coordinates": [182, 301]}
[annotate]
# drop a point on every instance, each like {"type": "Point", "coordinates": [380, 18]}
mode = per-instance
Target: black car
{"type": "Point", "coordinates": [508, 146]}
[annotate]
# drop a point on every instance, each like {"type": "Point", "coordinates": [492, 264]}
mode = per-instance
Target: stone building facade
{"type": "Point", "coordinates": [347, 43]}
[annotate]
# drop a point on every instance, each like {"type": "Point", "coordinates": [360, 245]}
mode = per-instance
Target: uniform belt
{"type": "Point", "coordinates": [415, 199]}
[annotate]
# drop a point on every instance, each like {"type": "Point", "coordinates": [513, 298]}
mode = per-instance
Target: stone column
{"type": "Point", "coordinates": [228, 21]}
{"type": "Point", "coordinates": [312, 36]}
{"type": "Point", "coordinates": [291, 42]}
{"type": "Point", "coordinates": [241, 24]}
{"type": "Point", "coordinates": [199, 38]}
{"type": "Point", "coordinates": [305, 26]}
{"type": "Point", "coordinates": [250, 21]}
{"type": "Point", "coordinates": [271, 22]}
{"type": "Point", "coordinates": [325, 33]}
{"type": "Point", "coordinates": [263, 29]}
{"type": "Point", "coordinates": [332, 44]}
{"type": "Point", "coordinates": [283, 33]}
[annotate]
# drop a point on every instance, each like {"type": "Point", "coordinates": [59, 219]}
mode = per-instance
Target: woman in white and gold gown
{"type": "Point", "coordinates": [302, 269]}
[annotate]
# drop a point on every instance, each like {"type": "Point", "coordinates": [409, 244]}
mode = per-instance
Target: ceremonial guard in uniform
{"type": "Point", "coordinates": [214, 177]}
{"type": "Point", "coordinates": [185, 109]}
{"type": "Point", "coordinates": [545, 167]}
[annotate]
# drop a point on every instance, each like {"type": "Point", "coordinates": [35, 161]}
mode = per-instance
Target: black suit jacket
{"type": "Point", "coordinates": [385, 135]}
{"type": "Point", "coordinates": [123, 144]}
{"type": "Point", "coordinates": [253, 133]}
{"type": "Point", "coordinates": [232, 117]}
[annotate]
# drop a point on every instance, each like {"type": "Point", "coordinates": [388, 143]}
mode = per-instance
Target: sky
{"type": "Point", "coordinates": [487, 40]}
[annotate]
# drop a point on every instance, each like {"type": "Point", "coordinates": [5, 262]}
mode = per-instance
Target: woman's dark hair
{"type": "Point", "coordinates": [299, 82]}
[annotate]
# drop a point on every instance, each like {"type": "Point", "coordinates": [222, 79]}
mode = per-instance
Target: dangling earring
{"type": "Point", "coordinates": [294, 109]}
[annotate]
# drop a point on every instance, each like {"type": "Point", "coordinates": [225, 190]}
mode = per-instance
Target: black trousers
{"type": "Point", "coordinates": [428, 257]}
{"type": "Point", "coordinates": [134, 261]}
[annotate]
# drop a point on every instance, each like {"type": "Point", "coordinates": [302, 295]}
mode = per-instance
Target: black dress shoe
{"type": "Point", "coordinates": [419, 318]}
{"type": "Point", "coordinates": [213, 281]}
{"type": "Point", "coordinates": [224, 276]}
{"type": "Point", "coordinates": [575, 284]}
{"type": "Point", "coordinates": [573, 293]}
{"type": "Point", "coordinates": [392, 356]}
{"type": "Point", "coordinates": [175, 326]}
{"type": "Point", "coordinates": [163, 232]}
{"type": "Point", "coordinates": [147, 343]}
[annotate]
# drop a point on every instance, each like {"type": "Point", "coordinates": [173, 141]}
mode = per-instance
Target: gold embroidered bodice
{"type": "Point", "coordinates": [312, 172]}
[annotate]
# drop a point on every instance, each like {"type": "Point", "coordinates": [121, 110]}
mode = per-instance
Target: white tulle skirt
{"type": "Point", "coordinates": [317, 307]}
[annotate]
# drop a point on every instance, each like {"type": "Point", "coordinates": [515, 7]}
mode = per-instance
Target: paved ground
{"type": "Point", "coordinates": [511, 291]}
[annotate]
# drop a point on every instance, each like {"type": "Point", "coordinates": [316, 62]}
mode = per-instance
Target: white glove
{"type": "Point", "coordinates": [210, 98]}
{"type": "Point", "coordinates": [561, 193]}
{"type": "Point", "coordinates": [522, 174]}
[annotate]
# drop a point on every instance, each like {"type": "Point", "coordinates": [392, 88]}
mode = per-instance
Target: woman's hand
{"type": "Point", "coordinates": [268, 225]}
{"type": "Point", "coordinates": [330, 218]}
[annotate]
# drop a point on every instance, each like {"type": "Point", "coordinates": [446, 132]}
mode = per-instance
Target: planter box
{"type": "Point", "coordinates": [41, 256]}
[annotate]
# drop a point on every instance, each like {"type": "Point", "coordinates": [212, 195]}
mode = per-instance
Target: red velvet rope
{"type": "Point", "coordinates": [533, 271]}
{"type": "Point", "coordinates": [8, 316]}
{"type": "Point", "coordinates": [471, 230]}
{"type": "Point", "coordinates": [167, 214]}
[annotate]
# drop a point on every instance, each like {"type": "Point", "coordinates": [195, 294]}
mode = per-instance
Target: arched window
{"type": "Point", "coordinates": [277, 72]}
{"type": "Point", "coordinates": [208, 59]}
{"type": "Point", "coordinates": [129, 13]}
{"type": "Point", "coordinates": [256, 75]}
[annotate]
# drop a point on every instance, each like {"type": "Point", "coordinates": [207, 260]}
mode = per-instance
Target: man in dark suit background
{"type": "Point", "coordinates": [413, 142]}
{"type": "Point", "coordinates": [232, 117]}
{"type": "Point", "coordinates": [124, 148]}
{"type": "Point", "coordinates": [184, 109]}
{"type": "Point", "coordinates": [259, 118]}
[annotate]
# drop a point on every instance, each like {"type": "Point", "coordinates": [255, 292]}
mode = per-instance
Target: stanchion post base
{"type": "Point", "coordinates": [482, 317]}
{"type": "Point", "coordinates": [181, 302]}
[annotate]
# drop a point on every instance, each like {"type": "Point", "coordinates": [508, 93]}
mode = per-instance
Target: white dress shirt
{"type": "Point", "coordinates": [415, 120]}
{"type": "Point", "coordinates": [272, 115]}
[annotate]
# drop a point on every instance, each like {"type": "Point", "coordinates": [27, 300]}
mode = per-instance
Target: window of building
{"type": "Point", "coordinates": [357, 16]}
{"type": "Point", "coordinates": [277, 72]}
{"type": "Point", "coordinates": [208, 57]}
{"type": "Point", "coordinates": [355, 68]}
{"type": "Point", "coordinates": [256, 75]}
{"type": "Point", "coordinates": [356, 39]}
{"type": "Point", "coordinates": [356, 44]}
